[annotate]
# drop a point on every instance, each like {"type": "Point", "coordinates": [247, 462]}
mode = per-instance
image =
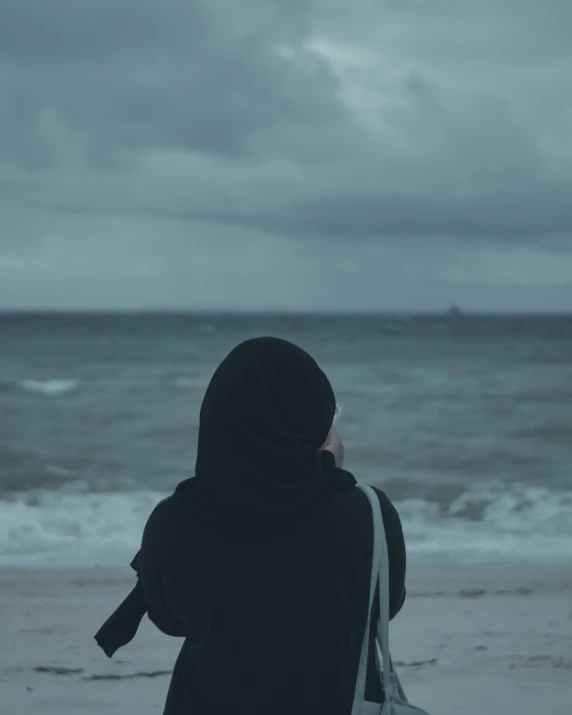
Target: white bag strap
{"type": "Point", "coordinates": [379, 575]}
{"type": "Point", "coordinates": [374, 578]}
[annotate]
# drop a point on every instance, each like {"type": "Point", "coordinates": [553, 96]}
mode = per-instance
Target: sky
{"type": "Point", "coordinates": [319, 155]}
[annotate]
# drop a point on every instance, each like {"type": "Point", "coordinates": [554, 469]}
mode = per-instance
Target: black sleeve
{"type": "Point", "coordinates": [167, 622]}
{"type": "Point", "coordinates": [396, 553]}
{"type": "Point", "coordinates": [157, 610]}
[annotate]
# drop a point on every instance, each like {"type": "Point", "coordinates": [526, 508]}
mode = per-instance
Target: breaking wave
{"type": "Point", "coordinates": [50, 388]}
{"type": "Point", "coordinates": [75, 528]}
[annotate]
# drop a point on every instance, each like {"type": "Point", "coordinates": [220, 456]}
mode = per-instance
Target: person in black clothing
{"type": "Point", "coordinates": [262, 560]}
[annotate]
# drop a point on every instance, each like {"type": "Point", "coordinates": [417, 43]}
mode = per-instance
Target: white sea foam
{"type": "Point", "coordinates": [50, 388]}
{"type": "Point", "coordinates": [74, 528]}
{"type": "Point", "coordinates": [59, 528]}
{"type": "Point", "coordinates": [525, 524]}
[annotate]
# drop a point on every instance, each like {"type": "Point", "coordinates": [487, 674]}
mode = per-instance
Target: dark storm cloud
{"type": "Point", "coordinates": [225, 112]}
{"type": "Point", "coordinates": [33, 30]}
{"type": "Point", "coordinates": [129, 75]}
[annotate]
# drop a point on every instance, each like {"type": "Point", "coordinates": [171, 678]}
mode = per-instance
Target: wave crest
{"type": "Point", "coordinates": [69, 527]}
{"type": "Point", "coordinates": [50, 388]}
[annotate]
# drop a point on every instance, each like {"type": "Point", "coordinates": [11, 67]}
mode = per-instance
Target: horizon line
{"type": "Point", "coordinates": [452, 311]}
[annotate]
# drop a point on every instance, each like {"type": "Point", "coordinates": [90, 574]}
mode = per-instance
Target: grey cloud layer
{"type": "Point", "coordinates": [218, 111]}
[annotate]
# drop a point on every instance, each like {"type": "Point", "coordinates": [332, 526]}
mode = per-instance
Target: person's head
{"type": "Point", "coordinates": [273, 387]}
{"type": "Point", "coordinates": [267, 411]}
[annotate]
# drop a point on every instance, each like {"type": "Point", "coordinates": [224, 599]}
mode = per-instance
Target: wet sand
{"type": "Point", "coordinates": [470, 642]}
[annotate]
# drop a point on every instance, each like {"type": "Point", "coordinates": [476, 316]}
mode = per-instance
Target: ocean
{"type": "Point", "coordinates": [464, 420]}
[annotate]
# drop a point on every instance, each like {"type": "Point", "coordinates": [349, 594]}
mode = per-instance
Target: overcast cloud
{"type": "Point", "coordinates": [288, 154]}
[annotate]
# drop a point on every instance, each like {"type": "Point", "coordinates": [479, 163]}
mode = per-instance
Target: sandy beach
{"type": "Point", "coordinates": [470, 642]}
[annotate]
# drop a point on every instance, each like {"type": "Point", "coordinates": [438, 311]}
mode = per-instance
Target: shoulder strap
{"type": "Point", "coordinates": [380, 574]}
{"type": "Point", "coordinates": [374, 577]}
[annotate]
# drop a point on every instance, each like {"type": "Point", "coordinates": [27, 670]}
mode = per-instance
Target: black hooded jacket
{"type": "Point", "coordinates": [261, 562]}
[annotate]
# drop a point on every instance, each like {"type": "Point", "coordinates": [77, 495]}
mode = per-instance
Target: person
{"type": "Point", "coordinates": [262, 560]}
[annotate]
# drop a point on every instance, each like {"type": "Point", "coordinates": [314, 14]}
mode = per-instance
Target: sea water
{"type": "Point", "coordinates": [465, 421]}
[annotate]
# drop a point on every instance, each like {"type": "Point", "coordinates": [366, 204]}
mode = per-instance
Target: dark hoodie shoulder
{"type": "Point", "coordinates": [164, 540]}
